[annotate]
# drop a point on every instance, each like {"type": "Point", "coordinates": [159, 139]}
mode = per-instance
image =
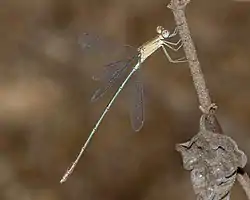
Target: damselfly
{"type": "Point", "coordinates": [118, 68]}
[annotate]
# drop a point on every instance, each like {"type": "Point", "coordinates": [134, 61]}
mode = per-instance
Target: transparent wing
{"type": "Point", "coordinates": [109, 70]}
{"type": "Point", "coordinates": [114, 72]}
{"type": "Point", "coordinates": [137, 104]}
{"type": "Point", "coordinates": [104, 45]}
{"type": "Point", "coordinates": [89, 41]}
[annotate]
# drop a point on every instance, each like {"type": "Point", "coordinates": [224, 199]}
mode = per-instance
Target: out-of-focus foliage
{"type": "Point", "coordinates": [45, 90]}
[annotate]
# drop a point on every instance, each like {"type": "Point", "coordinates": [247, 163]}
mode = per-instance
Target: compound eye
{"type": "Point", "coordinates": [159, 29]}
{"type": "Point", "coordinates": [165, 34]}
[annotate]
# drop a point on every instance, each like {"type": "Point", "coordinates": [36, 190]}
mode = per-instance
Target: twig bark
{"type": "Point", "coordinates": [244, 181]}
{"type": "Point", "coordinates": [178, 8]}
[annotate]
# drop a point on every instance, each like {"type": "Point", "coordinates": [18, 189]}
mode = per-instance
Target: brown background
{"type": "Point", "coordinates": [45, 90]}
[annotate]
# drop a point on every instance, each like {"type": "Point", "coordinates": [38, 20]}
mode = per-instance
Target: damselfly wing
{"type": "Point", "coordinates": [137, 103]}
{"type": "Point", "coordinates": [114, 73]}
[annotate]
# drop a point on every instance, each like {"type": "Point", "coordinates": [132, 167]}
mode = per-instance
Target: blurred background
{"type": "Point", "coordinates": [46, 86]}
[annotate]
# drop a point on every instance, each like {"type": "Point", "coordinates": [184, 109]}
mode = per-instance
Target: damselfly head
{"type": "Point", "coordinates": [163, 32]}
{"type": "Point", "coordinates": [159, 29]}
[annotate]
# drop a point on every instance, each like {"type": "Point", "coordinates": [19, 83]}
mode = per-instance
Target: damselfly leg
{"type": "Point", "coordinates": [165, 35]}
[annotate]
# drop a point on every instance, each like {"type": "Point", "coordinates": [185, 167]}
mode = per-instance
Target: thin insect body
{"type": "Point", "coordinates": [145, 51]}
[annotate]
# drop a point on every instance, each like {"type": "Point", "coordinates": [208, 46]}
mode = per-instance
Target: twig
{"type": "Point", "coordinates": [178, 8]}
{"type": "Point", "coordinates": [244, 181]}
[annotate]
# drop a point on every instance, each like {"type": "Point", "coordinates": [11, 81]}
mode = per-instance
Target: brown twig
{"type": "Point", "coordinates": [244, 181]}
{"type": "Point", "coordinates": [178, 8]}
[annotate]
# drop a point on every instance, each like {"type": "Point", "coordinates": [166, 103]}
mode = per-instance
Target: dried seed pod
{"type": "Point", "coordinates": [213, 160]}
